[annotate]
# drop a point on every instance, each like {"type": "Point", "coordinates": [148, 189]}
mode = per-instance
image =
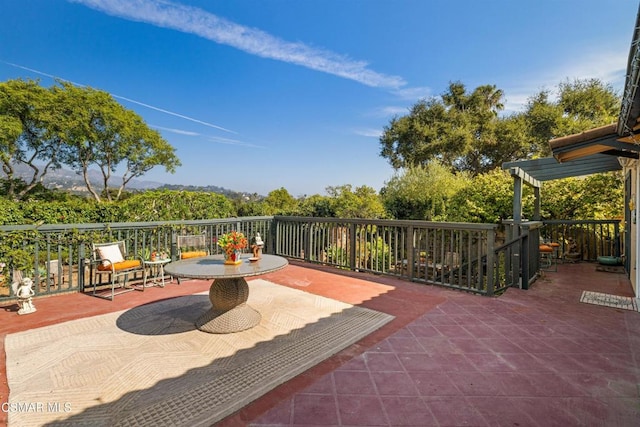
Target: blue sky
{"type": "Point", "coordinates": [295, 93]}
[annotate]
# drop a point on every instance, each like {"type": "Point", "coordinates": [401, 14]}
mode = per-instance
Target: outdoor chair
{"type": "Point", "coordinates": [548, 256]}
{"type": "Point", "coordinates": [191, 246]}
{"type": "Point", "coordinates": [111, 259]}
{"type": "Point", "coordinates": [54, 278]}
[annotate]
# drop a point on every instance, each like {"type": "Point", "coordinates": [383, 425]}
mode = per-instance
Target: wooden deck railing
{"type": "Point", "coordinates": [60, 253]}
{"type": "Point", "coordinates": [584, 240]}
{"type": "Point", "coordinates": [448, 254]}
{"type": "Point", "coordinates": [462, 256]}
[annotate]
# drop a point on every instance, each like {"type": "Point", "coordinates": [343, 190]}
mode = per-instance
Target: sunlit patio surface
{"type": "Point", "coordinates": [527, 358]}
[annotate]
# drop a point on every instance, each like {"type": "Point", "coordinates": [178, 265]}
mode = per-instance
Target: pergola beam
{"type": "Point", "coordinates": [524, 176]}
{"type": "Point", "coordinates": [519, 177]}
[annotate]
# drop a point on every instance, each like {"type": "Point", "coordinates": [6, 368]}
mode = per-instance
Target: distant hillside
{"type": "Point", "coordinates": [66, 180]}
{"type": "Point", "coordinates": [212, 189]}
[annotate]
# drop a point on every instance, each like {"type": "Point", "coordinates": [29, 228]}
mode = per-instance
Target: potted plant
{"type": "Point", "coordinates": [232, 244]}
{"type": "Point", "coordinates": [144, 254]}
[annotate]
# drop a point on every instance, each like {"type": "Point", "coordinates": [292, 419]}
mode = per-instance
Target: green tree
{"type": "Point", "coordinates": [422, 192]}
{"type": "Point", "coordinates": [580, 105]}
{"type": "Point", "coordinates": [166, 205]}
{"type": "Point", "coordinates": [462, 130]}
{"type": "Point", "coordinates": [599, 196]}
{"type": "Point", "coordinates": [488, 198]}
{"type": "Point", "coordinates": [316, 206]}
{"type": "Point", "coordinates": [99, 132]}
{"type": "Point", "coordinates": [279, 202]}
{"type": "Point", "coordinates": [361, 202]}
{"type": "Point", "coordinates": [26, 139]}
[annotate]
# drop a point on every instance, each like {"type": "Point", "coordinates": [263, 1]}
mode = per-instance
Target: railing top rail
{"type": "Point", "coordinates": [125, 225]}
{"type": "Point", "coordinates": [581, 221]}
{"type": "Point", "coordinates": [532, 225]}
{"type": "Point", "coordinates": [510, 243]}
{"type": "Point", "coordinates": [392, 222]}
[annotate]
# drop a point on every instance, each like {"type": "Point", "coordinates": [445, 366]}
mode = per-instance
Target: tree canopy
{"type": "Point", "coordinates": [422, 192]}
{"type": "Point", "coordinates": [78, 127]}
{"type": "Point", "coordinates": [461, 130]}
{"type": "Point", "coordinates": [465, 132]}
{"type": "Point", "coordinates": [579, 105]}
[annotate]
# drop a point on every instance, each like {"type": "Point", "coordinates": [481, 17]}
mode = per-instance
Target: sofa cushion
{"type": "Point", "coordinates": [546, 248]}
{"type": "Point", "coordinates": [192, 254]}
{"type": "Point", "coordinates": [122, 265]}
{"type": "Point", "coordinates": [111, 253]}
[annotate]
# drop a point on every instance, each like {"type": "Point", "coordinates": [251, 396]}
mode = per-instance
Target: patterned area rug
{"type": "Point", "coordinates": [150, 366]}
{"type": "Point", "coordinates": [597, 298]}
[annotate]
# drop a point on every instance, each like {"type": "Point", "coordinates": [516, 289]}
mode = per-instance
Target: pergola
{"type": "Point", "coordinates": [534, 172]}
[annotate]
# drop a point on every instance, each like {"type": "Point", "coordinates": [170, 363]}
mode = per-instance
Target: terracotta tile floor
{"type": "Point", "coordinates": [528, 358]}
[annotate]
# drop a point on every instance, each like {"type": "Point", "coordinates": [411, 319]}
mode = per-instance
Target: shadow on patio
{"type": "Point", "coordinates": [536, 357]}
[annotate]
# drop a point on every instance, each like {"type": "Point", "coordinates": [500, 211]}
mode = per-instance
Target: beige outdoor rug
{"type": "Point", "coordinates": [150, 366]}
{"type": "Point", "coordinates": [608, 300]}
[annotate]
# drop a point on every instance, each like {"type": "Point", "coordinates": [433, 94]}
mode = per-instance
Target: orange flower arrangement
{"type": "Point", "coordinates": [232, 242]}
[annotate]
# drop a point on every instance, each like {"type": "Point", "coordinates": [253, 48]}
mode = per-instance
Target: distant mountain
{"type": "Point", "coordinates": [213, 189]}
{"type": "Point", "coordinates": [67, 180]}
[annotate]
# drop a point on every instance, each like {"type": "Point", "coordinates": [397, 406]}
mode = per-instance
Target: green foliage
{"type": "Point", "coordinates": [165, 205]}
{"type": "Point", "coordinates": [462, 130]}
{"type": "Point", "coordinates": [580, 105]}
{"type": "Point", "coordinates": [11, 213]}
{"type": "Point", "coordinates": [488, 198]}
{"type": "Point", "coordinates": [465, 133]}
{"type": "Point", "coordinates": [363, 202]}
{"type": "Point", "coordinates": [337, 255]}
{"type": "Point", "coordinates": [78, 127]}
{"type": "Point", "coordinates": [145, 253]}
{"type": "Point", "coordinates": [316, 206]}
{"type": "Point", "coordinates": [26, 119]}
{"type": "Point", "coordinates": [250, 207]}
{"type": "Point", "coordinates": [99, 132]}
{"type": "Point", "coordinates": [70, 212]}
{"type": "Point", "coordinates": [375, 254]}
{"type": "Point", "coordinates": [422, 192]}
{"type": "Point", "coordinates": [16, 251]}
{"type": "Point", "coordinates": [449, 150]}
{"type": "Point", "coordinates": [599, 196]}
{"type": "Point", "coordinates": [279, 202]}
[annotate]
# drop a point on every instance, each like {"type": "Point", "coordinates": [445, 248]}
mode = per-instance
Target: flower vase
{"type": "Point", "coordinates": [232, 257]}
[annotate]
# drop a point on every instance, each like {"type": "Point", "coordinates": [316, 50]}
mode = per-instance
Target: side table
{"type": "Point", "coordinates": [156, 270]}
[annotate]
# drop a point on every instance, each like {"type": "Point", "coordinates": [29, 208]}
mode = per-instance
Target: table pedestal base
{"type": "Point", "coordinates": [229, 311]}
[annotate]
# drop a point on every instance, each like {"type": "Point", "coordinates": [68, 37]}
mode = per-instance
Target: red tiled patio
{"type": "Point", "coordinates": [526, 358]}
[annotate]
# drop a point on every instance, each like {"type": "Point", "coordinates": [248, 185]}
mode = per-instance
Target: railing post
{"type": "Point", "coordinates": [352, 246]}
{"type": "Point", "coordinates": [491, 261]}
{"type": "Point", "coordinates": [524, 261]}
{"type": "Point", "coordinates": [174, 245]}
{"type": "Point", "coordinates": [616, 239]}
{"type": "Point", "coordinates": [273, 235]}
{"type": "Point", "coordinates": [307, 241]}
{"type": "Point", "coordinates": [410, 251]}
{"type": "Point", "coordinates": [81, 266]}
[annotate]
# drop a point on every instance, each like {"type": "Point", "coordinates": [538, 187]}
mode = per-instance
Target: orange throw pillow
{"type": "Point", "coordinates": [193, 254]}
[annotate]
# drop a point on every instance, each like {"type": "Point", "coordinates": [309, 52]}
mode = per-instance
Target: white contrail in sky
{"type": "Point", "coordinates": [172, 113]}
{"type": "Point", "coordinates": [197, 21]}
{"type": "Point", "coordinates": [182, 116]}
{"type": "Point", "coordinates": [217, 139]}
